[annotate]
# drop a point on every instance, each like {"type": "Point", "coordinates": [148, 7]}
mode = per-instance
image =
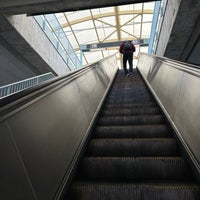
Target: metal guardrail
{"type": "Point", "coordinates": [53, 30]}
{"type": "Point", "coordinates": [21, 85]}
{"type": "Point", "coordinates": [159, 12]}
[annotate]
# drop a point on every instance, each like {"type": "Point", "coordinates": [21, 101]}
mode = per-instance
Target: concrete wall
{"type": "Point", "coordinates": [194, 56]}
{"type": "Point", "coordinates": [167, 25]}
{"type": "Point", "coordinates": [26, 51]}
{"type": "Point", "coordinates": [13, 68]}
{"type": "Point", "coordinates": [34, 36]}
{"type": "Point", "coordinates": [180, 31]}
{"type": "Point", "coordinates": [192, 49]}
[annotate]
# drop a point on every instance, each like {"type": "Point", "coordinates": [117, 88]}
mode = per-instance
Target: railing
{"type": "Point", "coordinates": [52, 28]}
{"type": "Point", "coordinates": [159, 11]}
{"type": "Point", "coordinates": [21, 85]}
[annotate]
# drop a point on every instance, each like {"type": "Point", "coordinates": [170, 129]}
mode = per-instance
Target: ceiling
{"type": "Point", "coordinates": [110, 24]}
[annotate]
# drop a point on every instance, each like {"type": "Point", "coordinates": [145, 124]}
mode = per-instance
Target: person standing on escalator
{"type": "Point", "coordinates": [127, 48]}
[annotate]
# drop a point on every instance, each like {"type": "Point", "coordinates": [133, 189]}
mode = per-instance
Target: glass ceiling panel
{"type": "Point", "coordinates": [83, 26]}
{"type": "Point", "coordinates": [87, 36]}
{"type": "Point", "coordinates": [111, 24]}
{"type": "Point", "coordinates": [109, 20]}
{"type": "Point", "coordinates": [112, 37]}
{"type": "Point", "coordinates": [67, 31]}
{"type": "Point", "coordinates": [137, 6]}
{"type": "Point", "coordinates": [61, 18]}
{"type": "Point", "coordinates": [73, 42]}
{"type": "Point", "coordinates": [126, 18]}
{"type": "Point", "coordinates": [76, 15]}
{"type": "Point", "coordinates": [108, 31]}
{"type": "Point", "coordinates": [136, 30]}
{"type": "Point", "coordinates": [96, 11]}
{"type": "Point", "coordinates": [147, 17]}
{"type": "Point", "coordinates": [106, 10]}
{"type": "Point", "coordinates": [149, 5]}
{"type": "Point", "coordinates": [146, 31]}
{"type": "Point", "coordinates": [126, 7]}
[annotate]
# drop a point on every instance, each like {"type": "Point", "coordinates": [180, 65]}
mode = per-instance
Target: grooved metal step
{"type": "Point", "coordinates": [131, 120]}
{"type": "Point", "coordinates": [134, 191]}
{"type": "Point", "coordinates": [135, 168]}
{"type": "Point", "coordinates": [133, 147]}
{"type": "Point", "coordinates": [130, 111]}
{"type": "Point", "coordinates": [129, 105]}
{"type": "Point", "coordinates": [137, 131]}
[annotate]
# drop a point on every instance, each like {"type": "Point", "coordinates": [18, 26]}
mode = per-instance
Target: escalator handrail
{"type": "Point", "coordinates": [12, 101]}
{"type": "Point", "coordinates": [187, 67]}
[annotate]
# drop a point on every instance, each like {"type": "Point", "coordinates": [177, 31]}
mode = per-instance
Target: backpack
{"type": "Point", "coordinates": [127, 46]}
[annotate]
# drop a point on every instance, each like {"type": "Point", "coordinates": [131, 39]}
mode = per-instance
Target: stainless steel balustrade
{"type": "Point", "coordinates": [176, 87]}
{"type": "Point", "coordinates": [42, 133]}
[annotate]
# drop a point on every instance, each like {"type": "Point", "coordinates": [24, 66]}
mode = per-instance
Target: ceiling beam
{"type": "Point", "coordinates": [117, 19]}
{"type": "Point", "coordinates": [109, 14]}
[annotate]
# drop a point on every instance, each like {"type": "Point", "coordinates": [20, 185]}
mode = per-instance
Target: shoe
{"type": "Point", "coordinates": [127, 74]}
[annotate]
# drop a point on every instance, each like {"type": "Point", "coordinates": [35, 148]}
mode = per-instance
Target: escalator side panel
{"type": "Point", "coordinates": [12, 176]}
{"type": "Point", "coordinates": [176, 88]}
{"type": "Point", "coordinates": [48, 131]}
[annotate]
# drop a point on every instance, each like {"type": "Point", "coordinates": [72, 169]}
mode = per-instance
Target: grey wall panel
{"type": "Point", "coordinates": [48, 142]}
{"type": "Point", "coordinates": [12, 67]}
{"type": "Point", "coordinates": [49, 130]}
{"type": "Point", "coordinates": [188, 112]}
{"type": "Point", "coordinates": [176, 87]}
{"type": "Point", "coordinates": [194, 57]}
{"type": "Point", "coordinates": [168, 89]}
{"type": "Point", "coordinates": [12, 170]}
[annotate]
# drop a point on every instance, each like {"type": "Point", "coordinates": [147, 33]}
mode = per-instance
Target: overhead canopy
{"type": "Point", "coordinates": [105, 26]}
{"type": "Point", "coordinates": [32, 7]}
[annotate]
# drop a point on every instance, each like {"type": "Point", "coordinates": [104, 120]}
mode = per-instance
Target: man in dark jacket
{"type": "Point", "coordinates": [127, 48]}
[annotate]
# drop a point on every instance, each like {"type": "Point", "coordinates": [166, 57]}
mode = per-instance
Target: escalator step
{"type": "Point", "coordinates": [138, 131]}
{"type": "Point", "coordinates": [130, 111]}
{"type": "Point", "coordinates": [133, 147]}
{"type": "Point", "coordinates": [131, 120]}
{"type": "Point", "coordinates": [128, 99]}
{"type": "Point", "coordinates": [129, 105]}
{"type": "Point", "coordinates": [132, 154]}
{"type": "Point", "coordinates": [140, 191]}
{"type": "Point", "coordinates": [135, 168]}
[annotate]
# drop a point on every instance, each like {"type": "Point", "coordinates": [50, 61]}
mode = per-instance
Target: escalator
{"type": "Point", "coordinates": [133, 153]}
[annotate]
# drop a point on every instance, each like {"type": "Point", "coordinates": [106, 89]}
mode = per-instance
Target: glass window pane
{"type": "Point", "coordinates": [100, 25]}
